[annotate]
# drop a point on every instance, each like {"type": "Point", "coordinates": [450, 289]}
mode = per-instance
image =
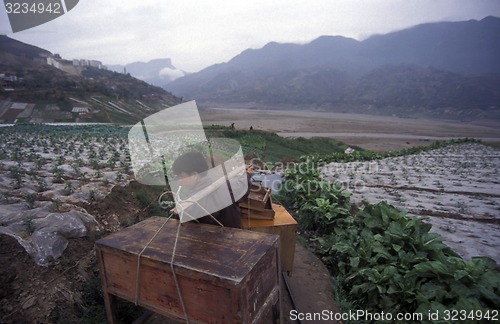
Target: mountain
{"type": "Point", "coordinates": [157, 72]}
{"type": "Point", "coordinates": [16, 53]}
{"type": "Point", "coordinates": [37, 86]}
{"type": "Point", "coordinates": [447, 69]}
{"type": "Point", "coordinates": [464, 47]}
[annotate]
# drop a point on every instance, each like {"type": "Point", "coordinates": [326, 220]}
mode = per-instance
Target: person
{"type": "Point", "coordinates": [190, 172]}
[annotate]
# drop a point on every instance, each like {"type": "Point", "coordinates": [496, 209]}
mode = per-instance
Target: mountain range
{"type": "Point", "coordinates": [443, 70]}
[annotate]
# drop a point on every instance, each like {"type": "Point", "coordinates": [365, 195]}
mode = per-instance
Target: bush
{"type": "Point", "coordinates": [319, 203]}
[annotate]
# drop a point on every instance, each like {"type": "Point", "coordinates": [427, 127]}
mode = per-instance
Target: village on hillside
{"type": "Point", "coordinates": [16, 112]}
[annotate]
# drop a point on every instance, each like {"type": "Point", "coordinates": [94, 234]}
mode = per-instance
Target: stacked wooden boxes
{"type": "Point", "coordinates": [261, 215]}
{"type": "Point", "coordinates": [258, 204]}
{"type": "Point", "coordinates": [224, 275]}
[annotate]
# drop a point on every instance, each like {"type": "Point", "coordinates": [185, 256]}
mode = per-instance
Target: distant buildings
{"type": "Point", "coordinates": [80, 110]}
{"type": "Point", "coordinates": [73, 67]}
{"type": "Point", "coordinates": [9, 78]}
{"type": "Point", "coordinates": [91, 63]}
{"type": "Point", "coordinates": [7, 82]}
{"type": "Point", "coordinates": [63, 65]}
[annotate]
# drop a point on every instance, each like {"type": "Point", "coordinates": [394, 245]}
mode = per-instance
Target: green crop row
{"type": "Point", "coordinates": [370, 155]}
{"type": "Point", "coordinates": [389, 262]}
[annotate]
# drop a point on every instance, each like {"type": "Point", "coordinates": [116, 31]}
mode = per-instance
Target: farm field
{"type": "Point", "coordinates": [46, 173]}
{"type": "Point", "coordinates": [62, 187]}
{"type": "Point", "coordinates": [49, 173]}
{"type": "Point", "coordinates": [455, 188]}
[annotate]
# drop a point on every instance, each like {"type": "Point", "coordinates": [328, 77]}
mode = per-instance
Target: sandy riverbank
{"type": "Point", "coordinates": [378, 133]}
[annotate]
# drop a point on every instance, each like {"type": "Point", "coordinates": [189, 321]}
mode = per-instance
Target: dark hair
{"type": "Point", "coordinates": [190, 162]}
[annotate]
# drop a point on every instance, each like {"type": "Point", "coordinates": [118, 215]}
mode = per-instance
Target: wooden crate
{"type": "Point", "coordinates": [258, 204]}
{"type": "Point", "coordinates": [225, 275]}
{"type": "Point", "coordinates": [283, 225]}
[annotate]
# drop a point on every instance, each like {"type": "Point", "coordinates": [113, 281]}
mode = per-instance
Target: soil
{"type": "Point", "coordinates": [34, 294]}
{"type": "Point", "coordinates": [52, 294]}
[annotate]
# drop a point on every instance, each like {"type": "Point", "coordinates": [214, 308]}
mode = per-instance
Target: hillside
{"type": "Point", "coordinates": [33, 91]}
{"type": "Point", "coordinates": [448, 70]}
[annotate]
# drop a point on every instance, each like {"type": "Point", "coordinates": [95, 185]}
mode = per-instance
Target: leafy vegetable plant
{"type": "Point", "coordinates": [388, 261]}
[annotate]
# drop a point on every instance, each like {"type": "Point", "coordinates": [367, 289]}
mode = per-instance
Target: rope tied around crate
{"type": "Point", "coordinates": [137, 282]}
{"type": "Point", "coordinates": [177, 286]}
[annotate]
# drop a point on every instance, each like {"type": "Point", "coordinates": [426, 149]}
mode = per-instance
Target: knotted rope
{"type": "Point", "coordinates": [181, 214]}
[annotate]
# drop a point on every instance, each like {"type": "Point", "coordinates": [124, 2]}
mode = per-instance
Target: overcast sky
{"type": "Point", "coordinates": [196, 33]}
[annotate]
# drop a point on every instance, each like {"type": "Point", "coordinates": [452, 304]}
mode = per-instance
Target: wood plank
{"type": "Point", "coordinates": [282, 217]}
{"type": "Point", "coordinates": [109, 300]}
{"type": "Point", "coordinates": [258, 204]}
{"type": "Point", "coordinates": [258, 214]}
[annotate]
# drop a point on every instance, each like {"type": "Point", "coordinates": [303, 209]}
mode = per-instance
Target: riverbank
{"type": "Point", "coordinates": [378, 133]}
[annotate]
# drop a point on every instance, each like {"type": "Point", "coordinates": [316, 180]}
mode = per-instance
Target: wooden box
{"type": "Point", "coordinates": [283, 225]}
{"type": "Point", "coordinates": [225, 275]}
{"type": "Point", "coordinates": [258, 204]}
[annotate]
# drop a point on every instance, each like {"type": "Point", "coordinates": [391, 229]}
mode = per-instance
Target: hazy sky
{"type": "Point", "coordinates": [196, 33]}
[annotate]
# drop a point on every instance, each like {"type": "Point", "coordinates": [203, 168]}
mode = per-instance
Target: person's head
{"type": "Point", "coordinates": [189, 168]}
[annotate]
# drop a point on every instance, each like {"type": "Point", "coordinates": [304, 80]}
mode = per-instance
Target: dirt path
{"type": "Point", "coordinates": [310, 285]}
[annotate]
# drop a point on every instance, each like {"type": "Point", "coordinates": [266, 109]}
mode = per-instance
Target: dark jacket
{"type": "Point", "coordinates": [229, 216]}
